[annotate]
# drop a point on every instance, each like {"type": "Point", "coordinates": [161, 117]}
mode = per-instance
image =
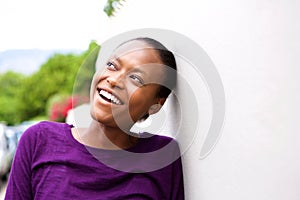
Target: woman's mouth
{"type": "Point", "coordinates": [109, 97]}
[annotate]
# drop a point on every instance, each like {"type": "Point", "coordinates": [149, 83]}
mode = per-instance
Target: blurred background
{"type": "Point", "coordinates": [254, 45]}
{"type": "Point", "coordinates": [39, 63]}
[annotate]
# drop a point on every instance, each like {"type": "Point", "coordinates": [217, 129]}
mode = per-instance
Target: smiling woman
{"type": "Point", "coordinates": [134, 78]}
{"type": "Point", "coordinates": [106, 160]}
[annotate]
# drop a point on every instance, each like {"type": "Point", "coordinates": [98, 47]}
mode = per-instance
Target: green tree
{"type": "Point", "coordinates": [10, 87]}
{"type": "Point", "coordinates": [57, 76]}
{"type": "Point", "coordinates": [87, 70]}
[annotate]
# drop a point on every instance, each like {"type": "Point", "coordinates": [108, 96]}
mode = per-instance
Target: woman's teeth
{"type": "Point", "coordinates": [110, 97]}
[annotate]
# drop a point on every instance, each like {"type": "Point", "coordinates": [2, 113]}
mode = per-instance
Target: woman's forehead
{"type": "Point", "coordinates": [144, 61]}
{"type": "Point", "coordinates": [131, 46]}
{"type": "Point", "coordinates": [137, 56]}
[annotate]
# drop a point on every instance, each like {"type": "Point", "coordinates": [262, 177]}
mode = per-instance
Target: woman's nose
{"type": "Point", "coordinates": [116, 81]}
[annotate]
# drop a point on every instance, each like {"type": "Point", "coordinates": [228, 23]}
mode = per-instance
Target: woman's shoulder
{"type": "Point", "coordinates": [44, 135]}
{"type": "Point", "coordinates": [49, 125]}
{"type": "Point", "coordinates": [45, 129]}
{"type": "Point", "coordinates": [153, 142]}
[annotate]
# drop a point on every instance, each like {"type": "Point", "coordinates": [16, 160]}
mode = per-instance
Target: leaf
{"type": "Point", "coordinates": [112, 6]}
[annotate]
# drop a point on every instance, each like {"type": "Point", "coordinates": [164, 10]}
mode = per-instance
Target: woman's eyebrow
{"type": "Point", "coordinates": [114, 57]}
{"type": "Point", "coordinates": [137, 69]}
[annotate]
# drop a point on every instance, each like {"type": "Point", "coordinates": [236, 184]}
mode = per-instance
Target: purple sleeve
{"type": "Point", "coordinates": [178, 185]}
{"type": "Point", "coordinates": [19, 184]}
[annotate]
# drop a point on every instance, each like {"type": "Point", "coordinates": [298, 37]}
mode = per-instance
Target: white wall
{"type": "Point", "coordinates": [255, 46]}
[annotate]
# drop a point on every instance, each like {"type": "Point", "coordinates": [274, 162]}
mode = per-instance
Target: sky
{"type": "Point", "coordinates": [50, 24]}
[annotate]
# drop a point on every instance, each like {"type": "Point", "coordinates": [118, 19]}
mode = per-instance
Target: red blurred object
{"type": "Point", "coordinates": [59, 109]}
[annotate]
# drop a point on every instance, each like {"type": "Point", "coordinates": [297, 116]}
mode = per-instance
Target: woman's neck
{"type": "Point", "coordinates": [105, 137]}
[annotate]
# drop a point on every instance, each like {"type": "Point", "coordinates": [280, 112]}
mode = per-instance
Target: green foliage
{"type": "Point", "coordinates": [111, 6]}
{"type": "Point", "coordinates": [39, 118]}
{"type": "Point", "coordinates": [10, 86]}
{"type": "Point", "coordinates": [24, 98]}
{"type": "Point", "coordinates": [87, 70]}
{"type": "Point", "coordinates": [56, 75]}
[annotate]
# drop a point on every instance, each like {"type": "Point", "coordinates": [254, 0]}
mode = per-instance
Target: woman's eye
{"type": "Point", "coordinates": [137, 79]}
{"type": "Point", "coordinates": [111, 66]}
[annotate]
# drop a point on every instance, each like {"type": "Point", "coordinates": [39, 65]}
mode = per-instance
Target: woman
{"type": "Point", "coordinates": [58, 161]}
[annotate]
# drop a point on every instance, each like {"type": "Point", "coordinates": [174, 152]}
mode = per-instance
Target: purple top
{"type": "Point", "coordinates": [51, 164]}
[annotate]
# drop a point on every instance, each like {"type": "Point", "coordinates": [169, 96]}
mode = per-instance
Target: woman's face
{"type": "Point", "coordinates": [124, 91]}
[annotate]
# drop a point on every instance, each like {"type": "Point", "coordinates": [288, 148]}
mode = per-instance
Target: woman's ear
{"type": "Point", "coordinates": [156, 107]}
